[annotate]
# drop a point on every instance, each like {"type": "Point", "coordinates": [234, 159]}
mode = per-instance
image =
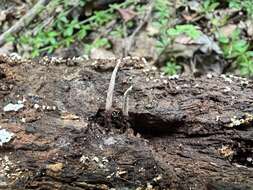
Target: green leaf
{"type": "Point", "coordinates": [213, 6]}
{"type": "Point", "coordinates": [10, 38]}
{"type": "Point", "coordinates": [250, 53]}
{"type": "Point", "coordinates": [75, 24]}
{"type": "Point", "coordinates": [188, 29]}
{"type": "Point", "coordinates": [235, 4]}
{"type": "Point", "coordinates": [68, 41]}
{"type": "Point", "coordinates": [52, 34]}
{"type": "Point", "coordinates": [240, 46]}
{"type": "Point", "coordinates": [173, 32]}
{"type": "Point", "coordinates": [35, 53]}
{"type": "Point", "coordinates": [68, 31]}
{"type": "Point", "coordinates": [50, 50]}
{"type": "Point", "coordinates": [64, 19]}
{"type": "Point", "coordinates": [24, 40]}
{"type": "Point", "coordinates": [223, 39]}
{"type": "Point", "coordinates": [171, 68]}
{"type": "Point", "coordinates": [81, 34]}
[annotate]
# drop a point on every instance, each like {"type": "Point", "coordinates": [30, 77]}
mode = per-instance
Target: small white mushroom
{"type": "Point", "coordinates": [109, 97]}
{"type": "Point", "coordinates": [125, 101]}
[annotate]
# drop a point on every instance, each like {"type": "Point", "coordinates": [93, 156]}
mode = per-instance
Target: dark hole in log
{"type": "Point", "coordinates": [2, 75]}
{"type": "Point", "coordinates": [143, 123]}
{"type": "Point", "coordinates": [244, 154]}
{"type": "Point", "coordinates": [149, 125]}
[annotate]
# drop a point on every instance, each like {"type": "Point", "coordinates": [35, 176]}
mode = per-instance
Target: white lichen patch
{"type": "Point", "coordinates": [13, 107]}
{"type": "Point", "coordinates": [233, 78]}
{"type": "Point", "coordinates": [158, 178]}
{"type": "Point", "coordinates": [5, 136]}
{"type": "Point", "coordinates": [110, 141]}
{"type": "Point", "coordinates": [173, 77]}
{"type": "Point", "coordinates": [209, 76]}
{"type": "Point", "coordinates": [227, 89]}
{"type": "Point", "coordinates": [84, 159]}
{"type": "Point", "coordinates": [96, 159]}
{"type": "Point", "coordinates": [227, 79]}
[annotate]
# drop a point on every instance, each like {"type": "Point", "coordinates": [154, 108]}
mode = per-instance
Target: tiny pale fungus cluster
{"type": "Point", "coordinates": [109, 98]}
{"type": "Point", "coordinates": [237, 122]}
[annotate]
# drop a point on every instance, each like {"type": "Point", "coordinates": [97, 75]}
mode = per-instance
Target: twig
{"type": "Point", "coordinates": [43, 25]}
{"type": "Point", "coordinates": [125, 101]}
{"type": "Point", "coordinates": [130, 39]}
{"type": "Point", "coordinates": [108, 104]}
{"type": "Point", "coordinates": [24, 21]}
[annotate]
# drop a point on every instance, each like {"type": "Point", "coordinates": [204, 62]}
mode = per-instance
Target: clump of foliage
{"type": "Point", "coordinates": [161, 23]}
{"type": "Point", "coordinates": [208, 6]}
{"type": "Point", "coordinates": [187, 29]}
{"type": "Point", "coordinates": [62, 32]}
{"type": "Point", "coordinates": [238, 50]}
{"type": "Point", "coordinates": [171, 68]}
{"type": "Point", "coordinates": [65, 30]}
{"type": "Point", "coordinates": [245, 5]}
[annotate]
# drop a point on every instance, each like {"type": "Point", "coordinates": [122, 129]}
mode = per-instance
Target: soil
{"type": "Point", "coordinates": [181, 133]}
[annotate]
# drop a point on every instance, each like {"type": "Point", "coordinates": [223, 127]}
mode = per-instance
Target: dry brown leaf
{"type": "Point", "coordinates": [249, 25]}
{"type": "Point", "coordinates": [189, 17]}
{"type": "Point", "coordinates": [183, 39]}
{"type": "Point", "coordinates": [100, 53]}
{"type": "Point", "coordinates": [2, 16]}
{"type": "Point", "coordinates": [228, 30]}
{"type": "Point", "coordinates": [127, 14]}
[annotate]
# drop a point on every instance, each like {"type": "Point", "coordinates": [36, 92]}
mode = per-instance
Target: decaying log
{"type": "Point", "coordinates": [186, 133]}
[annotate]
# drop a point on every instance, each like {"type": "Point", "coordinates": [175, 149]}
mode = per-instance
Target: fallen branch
{"type": "Point", "coordinates": [24, 21]}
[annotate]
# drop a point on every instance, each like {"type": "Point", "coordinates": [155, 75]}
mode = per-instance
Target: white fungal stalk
{"type": "Point", "coordinates": [125, 101]}
{"type": "Point", "coordinates": [108, 104]}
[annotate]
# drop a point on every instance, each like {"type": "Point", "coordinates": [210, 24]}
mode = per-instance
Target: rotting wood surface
{"type": "Point", "coordinates": [182, 133]}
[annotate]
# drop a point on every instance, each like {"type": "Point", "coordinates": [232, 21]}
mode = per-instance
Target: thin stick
{"type": "Point", "coordinates": [144, 21]}
{"type": "Point", "coordinates": [109, 97]}
{"type": "Point", "coordinates": [24, 21]}
{"type": "Point", "coordinates": [125, 101]}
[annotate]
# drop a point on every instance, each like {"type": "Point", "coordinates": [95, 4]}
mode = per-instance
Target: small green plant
{"type": "Point", "coordinates": [187, 29]}
{"type": "Point", "coordinates": [61, 33]}
{"type": "Point", "coordinates": [65, 30]}
{"type": "Point", "coordinates": [208, 6]}
{"type": "Point", "coordinates": [166, 35]}
{"type": "Point", "coordinates": [118, 32]}
{"type": "Point", "coordinates": [98, 43]}
{"type": "Point", "coordinates": [102, 17]}
{"type": "Point", "coordinates": [237, 49]}
{"type": "Point", "coordinates": [245, 5]}
{"type": "Point", "coordinates": [207, 9]}
{"type": "Point", "coordinates": [171, 68]}
{"type": "Point", "coordinates": [161, 22]}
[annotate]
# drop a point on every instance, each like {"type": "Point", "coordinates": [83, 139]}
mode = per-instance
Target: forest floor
{"type": "Point", "coordinates": [179, 133]}
{"type": "Point", "coordinates": [183, 36]}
